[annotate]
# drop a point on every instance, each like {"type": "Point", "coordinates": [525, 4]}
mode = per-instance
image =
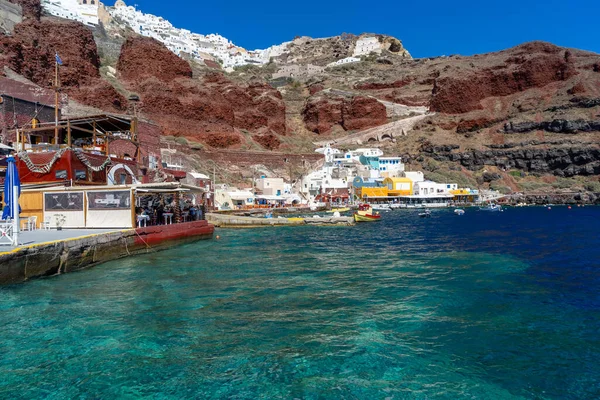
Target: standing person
{"type": "Point", "coordinates": [160, 209]}
{"type": "Point", "coordinates": [193, 212]}
{"type": "Point", "coordinates": [202, 211]}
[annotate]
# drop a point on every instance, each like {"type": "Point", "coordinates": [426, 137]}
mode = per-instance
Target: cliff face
{"type": "Point", "coordinates": [31, 8]}
{"type": "Point", "coordinates": [533, 65]}
{"type": "Point", "coordinates": [212, 110]}
{"type": "Point", "coordinates": [31, 49]}
{"type": "Point", "coordinates": [321, 113]}
{"type": "Point", "coordinates": [143, 57]}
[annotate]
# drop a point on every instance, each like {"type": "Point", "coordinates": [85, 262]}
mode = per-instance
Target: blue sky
{"type": "Point", "coordinates": [427, 28]}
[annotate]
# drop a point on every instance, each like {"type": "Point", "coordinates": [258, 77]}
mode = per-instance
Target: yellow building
{"type": "Point", "coordinates": [465, 195]}
{"type": "Point", "coordinates": [371, 192]}
{"type": "Point", "coordinates": [398, 186]}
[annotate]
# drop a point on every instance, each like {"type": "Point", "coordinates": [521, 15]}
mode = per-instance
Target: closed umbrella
{"type": "Point", "coordinates": [12, 191]}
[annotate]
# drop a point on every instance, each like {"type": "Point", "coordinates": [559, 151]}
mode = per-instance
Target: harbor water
{"type": "Point", "coordinates": [487, 305]}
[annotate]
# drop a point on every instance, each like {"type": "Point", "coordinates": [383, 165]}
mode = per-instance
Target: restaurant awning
{"type": "Point", "coordinates": [269, 197]}
{"type": "Point", "coordinates": [241, 195]}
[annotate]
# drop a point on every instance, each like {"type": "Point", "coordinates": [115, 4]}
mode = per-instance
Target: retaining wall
{"type": "Point", "coordinates": [57, 257]}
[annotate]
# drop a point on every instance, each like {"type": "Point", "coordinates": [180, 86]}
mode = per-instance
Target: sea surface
{"type": "Point", "coordinates": [481, 306]}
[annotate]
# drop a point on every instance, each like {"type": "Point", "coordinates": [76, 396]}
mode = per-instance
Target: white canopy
{"type": "Point", "coordinates": [269, 197]}
{"type": "Point", "coordinates": [241, 195]}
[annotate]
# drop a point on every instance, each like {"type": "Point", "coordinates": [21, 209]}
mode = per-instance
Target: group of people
{"type": "Point", "coordinates": [163, 212]}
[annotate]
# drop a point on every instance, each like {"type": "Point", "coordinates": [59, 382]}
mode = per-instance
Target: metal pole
{"type": "Point", "coordinates": [56, 103]}
{"type": "Point", "coordinates": [15, 206]}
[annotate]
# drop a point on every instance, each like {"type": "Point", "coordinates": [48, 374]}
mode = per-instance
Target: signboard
{"type": "Point", "coordinates": [63, 201]}
{"type": "Point", "coordinates": [109, 200]}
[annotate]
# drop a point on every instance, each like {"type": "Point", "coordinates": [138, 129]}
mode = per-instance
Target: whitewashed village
{"type": "Point", "coordinates": [204, 48]}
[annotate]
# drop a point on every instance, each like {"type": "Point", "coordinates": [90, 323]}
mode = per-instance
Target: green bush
{"type": "Point", "coordinates": [181, 140]}
{"type": "Point", "coordinates": [564, 183]}
{"type": "Point", "coordinates": [529, 186]}
{"type": "Point", "coordinates": [592, 187]}
{"type": "Point", "coordinates": [442, 176]}
{"type": "Point", "coordinates": [197, 146]}
{"type": "Point", "coordinates": [500, 188]}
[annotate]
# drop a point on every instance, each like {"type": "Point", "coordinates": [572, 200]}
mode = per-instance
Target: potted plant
{"type": "Point", "coordinates": [60, 220]}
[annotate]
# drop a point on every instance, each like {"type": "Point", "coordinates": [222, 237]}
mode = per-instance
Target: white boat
{"type": "Point", "coordinates": [380, 207]}
{"type": "Point", "coordinates": [459, 211]}
{"type": "Point", "coordinates": [425, 214]}
{"type": "Point", "coordinates": [492, 207]}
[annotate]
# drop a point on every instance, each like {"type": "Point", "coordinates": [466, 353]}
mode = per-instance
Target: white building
{"type": "Point", "coordinates": [343, 61]}
{"type": "Point", "coordinates": [271, 186]}
{"type": "Point", "coordinates": [366, 45]}
{"type": "Point", "coordinates": [430, 188]}
{"type": "Point", "coordinates": [84, 11]}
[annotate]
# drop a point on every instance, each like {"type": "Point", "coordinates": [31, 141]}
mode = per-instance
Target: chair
{"type": "Point", "coordinates": [30, 224]}
{"type": "Point", "coordinates": [45, 224]}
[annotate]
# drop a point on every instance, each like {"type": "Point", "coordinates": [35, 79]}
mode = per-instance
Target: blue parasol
{"type": "Point", "coordinates": [10, 182]}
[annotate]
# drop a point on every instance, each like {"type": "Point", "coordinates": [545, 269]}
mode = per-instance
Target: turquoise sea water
{"type": "Point", "coordinates": [486, 305]}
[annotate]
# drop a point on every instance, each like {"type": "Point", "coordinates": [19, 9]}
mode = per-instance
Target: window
{"type": "Point", "coordinates": [122, 179]}
{"type": "Point", "coordinates": [61, 174]}
{"type": "Point", "coordinates": [80, 175]}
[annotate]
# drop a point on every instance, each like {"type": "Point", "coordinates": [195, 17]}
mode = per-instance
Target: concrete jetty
{"type": "Point", "coordinates": [236, 221]}
{"type": "Point", "coordinates": [51, 252]}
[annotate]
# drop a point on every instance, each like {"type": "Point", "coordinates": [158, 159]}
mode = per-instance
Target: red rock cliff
{"type": "Point", "coordinates": [211, 110]}
{"type": "Point", "coordinates": [30, 51]}
{"type": "Point", "coordinates": [142, 57]}
{"type": "Point", "coordinates": [532, 65]}
{"type": "Point", "coordinates": [322, 113]}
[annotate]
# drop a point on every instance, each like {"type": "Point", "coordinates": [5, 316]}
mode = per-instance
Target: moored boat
{"type": "Point", "coordinates": [492, 207]}
{"type": "Point", "coordinates": [459, 211]}
{"type": "Point", "coordinates": [380, 207]}
{"type": "Point", "coordinates": [425, 214]}
{"type": "Point", "coordinates": [366, 218]}
{"type": "Point", "coordinates": [339, 209]}
{"type": "Point", "coordinates": [365, 213]}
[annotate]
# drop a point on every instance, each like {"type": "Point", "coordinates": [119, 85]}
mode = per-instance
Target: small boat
{"type": "Point", "coordinates": [366, 214]}
{"type": "Point", "coordinates": [366, 218]}
{"type": "Point", "coordinates": [459, 211]}
{"type": "Point", "coordinates": [381, 207]}
{"type": "Point", "coordinates": [425, 214]}
{"type": "Point", "coordinates": [340, 210]}
{"type": "Point", "coordinates": [492, 207]}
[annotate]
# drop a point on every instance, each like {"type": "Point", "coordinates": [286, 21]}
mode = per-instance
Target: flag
{"type": "Point", "coordinates": [58, 60]}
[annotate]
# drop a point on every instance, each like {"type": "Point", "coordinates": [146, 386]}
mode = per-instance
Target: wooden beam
{"type": "Point", "coordinates": [68, 134]}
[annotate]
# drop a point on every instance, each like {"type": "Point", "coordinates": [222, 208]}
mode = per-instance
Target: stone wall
{"type": "Point", "coordinates": [10, 15]}
{"type": "Point", "coordinates": [249, 158]}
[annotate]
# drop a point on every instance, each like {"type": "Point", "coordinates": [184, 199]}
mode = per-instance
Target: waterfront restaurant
{"type": "Point", "coordinates": [118, 206]}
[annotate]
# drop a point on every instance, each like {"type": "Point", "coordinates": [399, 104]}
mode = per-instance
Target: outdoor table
{"type": "Point", "coordinates": [185, 216]}
{"type": "Point", "coordinates": [142, 219]}
{"type": "Point", "coordinates": [168, 216]}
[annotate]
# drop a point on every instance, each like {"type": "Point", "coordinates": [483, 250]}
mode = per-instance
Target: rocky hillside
{"type": "Point", "coordinates": [522, 119]}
